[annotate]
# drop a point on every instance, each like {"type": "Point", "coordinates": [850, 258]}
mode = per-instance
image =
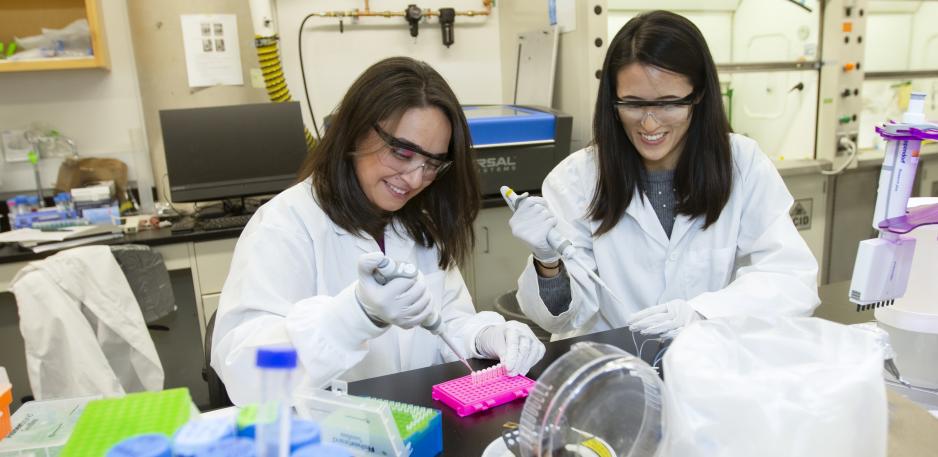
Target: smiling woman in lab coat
{"type": "Point", "coordinates": [393, 173]}
{"type": "Point", "coordinates": [683, 219]}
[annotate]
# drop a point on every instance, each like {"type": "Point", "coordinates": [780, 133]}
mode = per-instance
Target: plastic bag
{"type": "Point", "coordinates": [73, 40]}
{"type": "Point", "coordinates": [778, 386]}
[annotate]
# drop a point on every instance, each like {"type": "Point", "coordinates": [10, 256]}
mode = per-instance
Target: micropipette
{"type": "Point", "coordinates": [387, 270]}
{"type": "Point", "coordinates": [560, 244]}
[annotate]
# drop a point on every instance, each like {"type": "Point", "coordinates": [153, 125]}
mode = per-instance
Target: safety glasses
{"type": "Point", "coordinates": [405, 157]}
{"type": "Point", "coordinates": [665, 112]}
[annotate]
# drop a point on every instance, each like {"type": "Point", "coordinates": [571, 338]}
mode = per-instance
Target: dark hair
{"type": "Point", "coordinates": [703, 178]}
{"type": "Point", "coordinates": [441, 214]}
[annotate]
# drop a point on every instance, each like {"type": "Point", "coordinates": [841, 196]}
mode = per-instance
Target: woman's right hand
{"type": "Point", "coordinates": [531, 223]}
{"type": "Point", "coordinates": [404, 302]}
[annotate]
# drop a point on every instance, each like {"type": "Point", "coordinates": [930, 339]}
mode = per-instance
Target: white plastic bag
{"type": "Point", "coordinates": [753, 386]}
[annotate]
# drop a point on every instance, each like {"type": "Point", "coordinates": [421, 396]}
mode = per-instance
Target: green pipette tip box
{"type": "Point", "coordinates": [421, 427]}
{"type": "Point", "coordinates": [107, 422]}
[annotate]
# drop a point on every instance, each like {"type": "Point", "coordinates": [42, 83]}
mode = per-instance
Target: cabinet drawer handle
{"type": "Point", "coordinates": [486, 229]}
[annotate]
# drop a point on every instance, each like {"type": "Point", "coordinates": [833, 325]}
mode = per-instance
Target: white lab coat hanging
{"type": "Point", "coordinates": [83, 329]}
{"type": "Point", "coordinates": [751, 261]}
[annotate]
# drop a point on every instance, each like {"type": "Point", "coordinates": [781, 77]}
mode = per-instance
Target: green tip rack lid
{"type": "Point", "coordinates": [149, 445]}
{"type": "Point", "coordinates": [109, 421]}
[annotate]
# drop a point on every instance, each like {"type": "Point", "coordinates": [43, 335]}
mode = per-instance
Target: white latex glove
{"type": "Point", "coordinates": [666, 320]}
{"type": "Point", "coordinates": [513, 343]}
{"type": "Point", "coordinates": [530, 223]}
{"type": "Point", "coordinates": [404, 302]}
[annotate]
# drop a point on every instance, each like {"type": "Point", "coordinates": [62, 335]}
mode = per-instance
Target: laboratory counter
{"type": "Point", "coordinates": [206, 253]}
{"type": "Point", "coordinates": [11, 252]}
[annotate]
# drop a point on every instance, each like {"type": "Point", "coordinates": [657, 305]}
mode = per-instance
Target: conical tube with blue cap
{"type": "Point", "coordinates": [273, 414]}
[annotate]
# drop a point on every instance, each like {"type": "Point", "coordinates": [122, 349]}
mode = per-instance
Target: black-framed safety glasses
{"type": "Point", "coordinates": [664, 111]}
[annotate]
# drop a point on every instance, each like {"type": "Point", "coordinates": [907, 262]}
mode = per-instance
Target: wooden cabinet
{"type": "Point", "coordinates": [24, 18]}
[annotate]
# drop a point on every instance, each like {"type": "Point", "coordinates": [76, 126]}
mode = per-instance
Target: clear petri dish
{"type": "Point", "coordinates": [595, 400]}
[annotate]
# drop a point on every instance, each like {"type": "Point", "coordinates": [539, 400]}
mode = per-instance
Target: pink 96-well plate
{"type": "Point", "coordinates": [473, 393]}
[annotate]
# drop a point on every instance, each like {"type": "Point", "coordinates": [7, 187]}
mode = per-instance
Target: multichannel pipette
{"type": "Point", "coordinates": [560, 244]}
{"type": "Point", "coordinates": [387, 270]}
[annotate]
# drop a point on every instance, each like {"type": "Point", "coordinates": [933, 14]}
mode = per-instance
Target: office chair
{"type": "Point", "coordinates": [217, 395]}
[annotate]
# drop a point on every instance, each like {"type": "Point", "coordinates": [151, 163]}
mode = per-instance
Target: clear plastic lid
{"type": "Point", "coordinates": [594, 400]}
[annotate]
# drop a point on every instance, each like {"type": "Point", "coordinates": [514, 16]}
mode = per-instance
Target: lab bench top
{"type": "Point", "coordinates": [470, 435]}
{"type": "Point", "coordinates": [11, 252]}
{"type": "Point", "coordinates": [800, 166]}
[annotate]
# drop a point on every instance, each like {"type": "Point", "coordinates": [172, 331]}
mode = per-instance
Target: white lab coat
{"type": "Point", "coordinates": [751, 261]}
{"type": "Point", "coordinates": [83, 329]}
{"type": "Point", "coordinates": [292, 282]}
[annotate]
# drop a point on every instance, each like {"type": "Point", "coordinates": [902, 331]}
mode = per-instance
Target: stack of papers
{"type": "Point", "coordinates": [66, 237]}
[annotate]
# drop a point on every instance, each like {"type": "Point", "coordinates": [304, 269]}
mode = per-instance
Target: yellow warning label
{"type": "Point", "coordinates": [598, 447]}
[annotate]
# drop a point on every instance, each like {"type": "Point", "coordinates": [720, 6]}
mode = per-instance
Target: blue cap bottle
{"type": "Point", "coordinates": [230, 447]}
{"type": "Point", "coordinates": [197, 435]}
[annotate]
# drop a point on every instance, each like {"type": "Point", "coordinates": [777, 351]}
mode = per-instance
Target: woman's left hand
{"type": "Point", "coordinates": [513, 343]}
{"type": "Point", "coordinates": [666, 320]}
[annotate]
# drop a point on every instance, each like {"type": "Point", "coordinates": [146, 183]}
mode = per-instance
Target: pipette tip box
{"type": "Point", "coordinates": [482, 390]}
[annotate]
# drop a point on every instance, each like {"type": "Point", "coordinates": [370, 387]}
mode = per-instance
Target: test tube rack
{"type": "Point", "coordinates": [481, 390]}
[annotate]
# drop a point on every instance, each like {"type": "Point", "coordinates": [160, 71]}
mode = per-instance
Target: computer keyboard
{"type": "Point", "coordinates": [186, 224]}
{"type": "Point", "coordinates": [224, 222]}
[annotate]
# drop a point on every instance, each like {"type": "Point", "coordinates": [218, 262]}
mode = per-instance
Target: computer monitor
{"type": "Point", "coordinates": [232, 151]}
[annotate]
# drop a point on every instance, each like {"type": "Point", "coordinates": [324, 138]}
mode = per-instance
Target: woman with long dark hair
{"type": "Point", "coordinates": [393, 177]}
{"type": "Point", "coordinates": [680, 217]}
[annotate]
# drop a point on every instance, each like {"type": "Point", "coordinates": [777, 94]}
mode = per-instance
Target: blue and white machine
{"type": "Point", "coordinates": [517, 144]}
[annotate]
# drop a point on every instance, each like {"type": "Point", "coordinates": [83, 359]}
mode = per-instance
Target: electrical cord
{"type": "Point", "coordinates": [801, 5]}
{"type": "Point", "coordinates": [168, 201]}
{"type": "Point", "coordinates": [851, 156]}
{"type": "Point", "coordinates": [303, 75]}
{"type": "Point", "coordinates": [928, 390]}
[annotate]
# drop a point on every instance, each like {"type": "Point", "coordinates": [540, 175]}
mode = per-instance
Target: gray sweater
{"type": "Point", "coordinates": [661, 194]}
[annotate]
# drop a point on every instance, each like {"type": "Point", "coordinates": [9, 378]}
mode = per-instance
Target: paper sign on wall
{"type": "Point", "coordinates": [212, 54]}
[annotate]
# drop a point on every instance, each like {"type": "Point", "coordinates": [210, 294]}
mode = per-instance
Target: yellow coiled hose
{"type": "Point", "coordinates": [268, 54]}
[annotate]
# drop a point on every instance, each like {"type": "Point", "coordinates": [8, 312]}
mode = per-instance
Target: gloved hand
{"type": "Point", "coordinates": [530, 223]}
{"type": "Point", "coordinates": [513, 343]}
{"type": "Point", "coordinates": [404, 302]}
{"type": "Point", "coordinates": [666, 320]}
